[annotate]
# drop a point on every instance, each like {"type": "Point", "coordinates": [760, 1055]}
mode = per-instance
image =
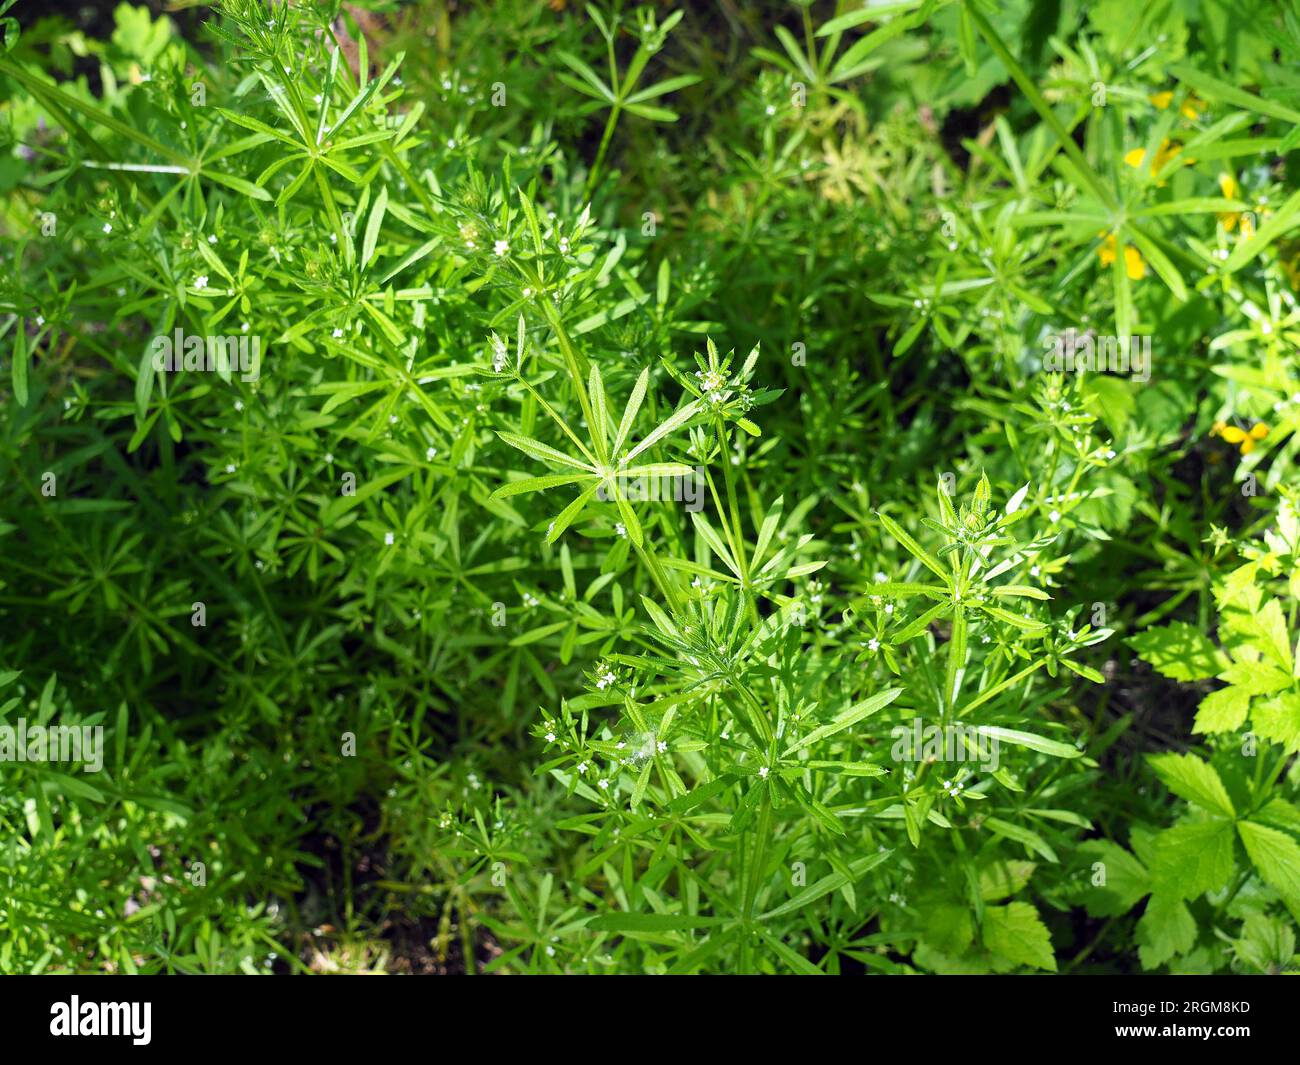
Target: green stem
{"type": "Point", "coordinates": [610, 123]}
{"type": "Point", "coordinates": [737, 536]}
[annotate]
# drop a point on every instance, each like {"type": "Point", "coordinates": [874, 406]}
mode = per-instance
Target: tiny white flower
{"type": "Point", "coordinates": [501, 247]}
{"type": "Point", "coordinates": [889, 608]}
{"type": "Point", "coordinates": [430, 452]}
{"type": "Point", "coordinates": [550, 737]}
{"type": "Point", "coordinates": [230, 467]}
{"type": "Point", "coordinates": [212, 238]}
{"type": "Point", "coordinates": [604, 785]}
{"type": "Point", "coordinates": [763, 771]}
{"type": "Point", "coordinates": [201, 281]}
{"type": "Point", "coordinates": [1054, 516]}
{"type": "Point", "coordinates": [621, 529]}
{"type": "Point", "coordinates": [881, 578]}
{"type": "Point", "coordinates": [663, 747]}
{"type": "Point", "coordinates": [388, 538]}
{"type": "Point", "coordinates": [108, 228]}
{"type": "Point", "coordinates": [582, 768]}
{"type": "Point", "coordinates": [239, 404]}
{"type": "Point", "coordinates": [873, 644]}
{"type": "Point", "coordinates": [770, 109]}
{"type": "Point", "coordinates": [392, 419]}
{"type": "Point", "coordinates": [337, 333]}
{"type": "Point", "coordinates": [329, 457]}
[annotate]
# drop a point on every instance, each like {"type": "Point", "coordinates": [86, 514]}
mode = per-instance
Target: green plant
{"type": "Point", "coordinates": [1201, 891]}
{"type": "Point", "coordinates": [500, 523]}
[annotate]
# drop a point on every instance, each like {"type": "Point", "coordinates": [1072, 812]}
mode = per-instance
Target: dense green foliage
{"type": "Point", "coordinates": [656, 532]}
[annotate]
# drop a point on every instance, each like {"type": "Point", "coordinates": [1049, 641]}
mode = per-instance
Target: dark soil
{"type": "Point", "coordinates": [410, 941]}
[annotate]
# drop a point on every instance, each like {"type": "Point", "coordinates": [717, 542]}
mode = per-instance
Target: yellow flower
{"type": "Point", "coordinates": [1245, 439]}
{"type": "Point", "coordinates": [1164, 153]}
{"type": "Point", "coordinates": [1231, 190]}
{"type": "Point", "coordinates": [1134, 265]}
{"type": "Point", "coordinates": [1190, 108]}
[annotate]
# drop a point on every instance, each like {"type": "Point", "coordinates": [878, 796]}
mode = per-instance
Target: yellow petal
{"type": "Point", "coordinates": [1228, 186]}
{"type": "Point", "coordinates": [1163, 99]}
{"type": "Point", "coordinates": [1259, 431]}
{"type": "Point", "coordinates": [1133, 263]}
{"type": "Point", "coordinates": [1247, 446]}
{"type": "Point", "coordinates": [1166, 152]}
{"type": "Point", "coordinates": [1106, 251]}
{"type": "Point", "coordinates": [1135, 157]}
{"type": "Point", "coordinates": [1232, 434]}
{"type": "Point", "coordinates": [1247, 227]}
{"type": "Point", "coordinates": [1190, 109]}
